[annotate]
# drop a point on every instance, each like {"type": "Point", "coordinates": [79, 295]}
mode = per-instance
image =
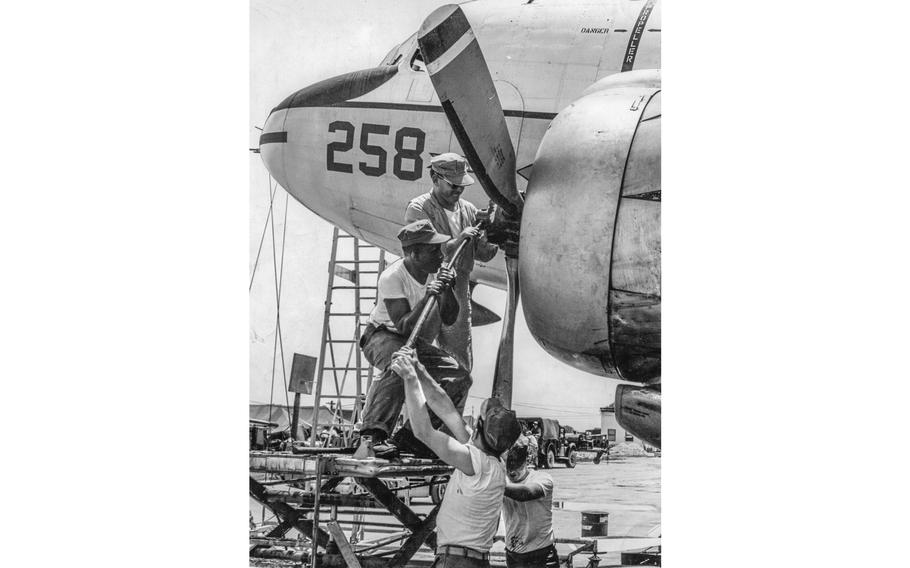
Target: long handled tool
{"type": "Point", "coordinates": [431, 302]}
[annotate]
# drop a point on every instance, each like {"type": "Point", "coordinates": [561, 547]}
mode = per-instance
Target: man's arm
{"type": "Point", "coordinates": [440, 403]}
{"type": "Point", "coordinates": [405, 317]}
{"type": "Point", "coordinates": [524, 492]}
{"type": "Point", "coordinates": [449, 247]}
{"type": "Point", "coordinates": [401, 313]}
{"type": "Point", "coordinates": [447, 448]}
{"type": "Point", "coordinates": [448, 305]}
{"type": "Point", "coordinates": [484, 250]}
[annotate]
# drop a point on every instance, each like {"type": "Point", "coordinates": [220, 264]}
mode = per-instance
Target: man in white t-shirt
{"type": "Point", "coordinates": [403, 290]}
{"type": "Point", "coordinates": [469, 514]}
{"type": "Point", "coordinates": [528, 508]}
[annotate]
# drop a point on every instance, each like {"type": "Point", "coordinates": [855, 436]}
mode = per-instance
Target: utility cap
{"type": "Point", "coordinates": [420, 232]}
{"type": "Point", "coordinates": [452, 167]}
{"type": "Point", "coordinates": [500, 426]}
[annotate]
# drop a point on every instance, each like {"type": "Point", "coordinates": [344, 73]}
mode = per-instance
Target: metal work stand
{"type": "Point", "coordinates": [298, 488]}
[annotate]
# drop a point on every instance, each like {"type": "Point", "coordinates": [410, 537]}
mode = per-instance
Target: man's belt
{"type": "Point", "coordinates": [539, 554]}
{"type": "Point", "coordinates": [452, 550]}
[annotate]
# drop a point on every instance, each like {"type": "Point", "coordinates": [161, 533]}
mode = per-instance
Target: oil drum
{"type": "Point", "coordinates": [594, 523]}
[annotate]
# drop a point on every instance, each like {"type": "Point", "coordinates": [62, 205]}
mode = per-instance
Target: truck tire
{"type": "Point", "coordinates": [551, 459]}
{"type": "Point", "coordinates": [570, 461]}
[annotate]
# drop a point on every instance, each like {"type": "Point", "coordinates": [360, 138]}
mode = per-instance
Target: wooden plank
{"type": "Point", "coordinates": [343, 545]}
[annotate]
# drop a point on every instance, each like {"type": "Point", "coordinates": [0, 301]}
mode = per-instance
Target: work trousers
{"type": "Point", "coordinates": [541, 558]}
{"type": "Point", "coordinates": [386, 396]}
{"type": "Point", "coordinates": [453, 561]}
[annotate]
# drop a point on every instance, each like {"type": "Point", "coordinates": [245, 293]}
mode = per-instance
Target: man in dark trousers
{"type": "Point", "coordinates": [403, 290]}
{"type": "Point", "coordinates": [528, 509]}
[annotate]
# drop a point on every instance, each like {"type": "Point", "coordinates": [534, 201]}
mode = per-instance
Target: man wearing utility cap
{"type": "Point", "coordinates": [402, 292]}
{"type": "Point", "coordinates": [455, 217]}
{"type": "Point", "coordinates": [469, 514]}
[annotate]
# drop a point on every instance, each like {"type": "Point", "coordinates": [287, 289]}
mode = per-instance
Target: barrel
{"type": "Point", "coordinates": [594, 523]}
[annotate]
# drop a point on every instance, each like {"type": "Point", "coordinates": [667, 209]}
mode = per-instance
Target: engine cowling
{"type": "Point", "coordinates": [590, 234]}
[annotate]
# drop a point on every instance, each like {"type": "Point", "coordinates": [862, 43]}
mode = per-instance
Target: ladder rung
{"type": "Point", "coordinates": [334, 396]}
{"type": "Point", "coordinates": [353, 287]}
{"type": "Point", "coordinates": [346, 314]}
{"type": "Point", "coordinates": [341, 341]}
{"type": "Point", "coordinates": [341, 368]}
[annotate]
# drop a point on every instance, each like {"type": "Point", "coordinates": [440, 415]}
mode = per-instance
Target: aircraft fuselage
{"type": "Point", "coordinates": [354, 148]}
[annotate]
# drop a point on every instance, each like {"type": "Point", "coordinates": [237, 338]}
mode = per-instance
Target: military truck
{"type": "Point", "coordinates": [552, 445]}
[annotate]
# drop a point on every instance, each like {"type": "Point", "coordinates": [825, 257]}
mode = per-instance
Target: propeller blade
{"type": "Point", "coordinates": [502, 376]}
{"type": "Point", "coordinates": [482, 315]}
{"type": "Point", "coordinates": [465, 88]}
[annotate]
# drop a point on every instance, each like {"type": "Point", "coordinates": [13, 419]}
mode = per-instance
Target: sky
{"type": "Point", "coordinates": [294, 44]}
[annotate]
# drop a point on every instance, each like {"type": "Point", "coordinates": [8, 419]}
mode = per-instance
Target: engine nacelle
{"type": "Point", "coordinates": [590, 235]}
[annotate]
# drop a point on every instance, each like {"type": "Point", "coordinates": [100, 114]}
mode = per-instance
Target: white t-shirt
{"type": "Point", "coordinates": [469, 514]}
{"type": "Point", "coordinates": [396, 282]}
{"type": "Point", "coordinates": [529, 524]}
{"type": "Point", "coordinates": [454, 222]}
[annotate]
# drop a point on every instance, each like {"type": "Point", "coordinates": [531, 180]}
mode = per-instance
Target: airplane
{"type": "Point", "coordinates": [556, 106]}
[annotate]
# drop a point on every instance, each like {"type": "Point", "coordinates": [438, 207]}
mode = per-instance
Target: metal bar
{"type": "Point", "coordinates": [264, 541]}
{"type": "Point", "coordinates": [357, 356]}
{"type": "Point", "coordinates": [399, 510]}
{"type": "Point", "coordinates": [281, 530]}
{"type": "Point", "coordinates": [285, 512]}
{"type": "Point", "coordinates": [382, 542]}
{"type": "Point", "coordinates": [415, 541]}
{"type": "Point", "coordinates": [316, 514]}
{"type": "Point", "coordinates": [308, 500]}
{"type": "Point", "coordinates": [295, 420]}
{"type": "Point", "coordinates": [431, 302]}
{"type": "Point", "coordinates": [343, 545]}
{"type": "Point", "coordinates": [331, 484]}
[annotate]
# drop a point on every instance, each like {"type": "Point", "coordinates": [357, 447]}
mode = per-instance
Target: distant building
{"type": "Point", "coordinates": [610, 428]}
